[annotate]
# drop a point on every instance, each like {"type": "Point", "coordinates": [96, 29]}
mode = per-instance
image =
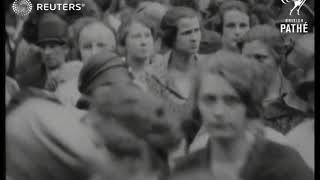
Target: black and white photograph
{"type": "Point", "coordinates": [159, 89]}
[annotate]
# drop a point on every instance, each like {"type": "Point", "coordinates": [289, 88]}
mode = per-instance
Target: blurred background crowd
{"type": "Point", "coordinates": [160, 90]}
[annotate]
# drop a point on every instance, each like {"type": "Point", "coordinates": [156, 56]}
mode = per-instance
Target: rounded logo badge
{"type": "Point", "coordinates": [22, 7]}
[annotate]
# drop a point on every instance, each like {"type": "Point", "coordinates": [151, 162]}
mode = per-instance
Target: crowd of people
{"type": "Point", "coordinates": [159, 90]}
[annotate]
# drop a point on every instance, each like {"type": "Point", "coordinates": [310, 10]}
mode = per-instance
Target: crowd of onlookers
{"type": "Point", "coordinates": [160, 89]}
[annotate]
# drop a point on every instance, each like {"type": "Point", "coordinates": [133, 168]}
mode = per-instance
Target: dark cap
{"type": "Point", "coordinates": [97, 71]}
{"type": "Point", "coordinates": [51, 28]}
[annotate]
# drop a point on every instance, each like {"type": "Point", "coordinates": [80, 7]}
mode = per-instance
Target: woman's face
{"type": "Point", "coordinates": [139, 41]}
{"type": "Point", "coordinates": [188, 35]}
{"type": "Point", "coordinates": [95, 38]}
{"type": "Point", "coordinates": [222, 111]}
{"type": "Point", "coordinates": [235, 25]}
{"type": "Point", "coordinates": [258, 51]}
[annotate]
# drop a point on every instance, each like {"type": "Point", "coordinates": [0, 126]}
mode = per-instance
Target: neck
{"type": "Point", "coordinates": [294, 101]}
{"type": "Point", "coordinates": [275, 86]}
{"type": "Point", "coordinates": [230, 150]}
{"type": "Point", "coordinates": [137, 64]}
{"type": "Point", "coordinates": [181, 61]}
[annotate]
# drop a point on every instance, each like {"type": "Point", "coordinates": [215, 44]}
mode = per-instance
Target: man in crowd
{"type": "Point", "coordinates": [299, 70]}
{"type": "Point", "coordinates": [54, 44]}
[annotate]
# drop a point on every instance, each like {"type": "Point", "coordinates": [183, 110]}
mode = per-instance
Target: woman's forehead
{"type": "Point", "coordinates": [188, 22]}
{"type": "Point", "coordinates": [216, 84]}
{"type": "Point", "coordinates": [255, 47]}
{"type": "Point", "coordinates": [95, 30]}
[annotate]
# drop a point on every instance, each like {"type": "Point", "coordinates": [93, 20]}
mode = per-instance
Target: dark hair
{"type": "Point", "coordinates": [271, 37]}
{"type": "Point", "coordinates": [246, 77]}
{"type": "Point", "coordinates": [169, 23]}
{"type": "Point", "coordinates": [193, 4]}
{"type": "Point", "coordinates": [234, 5]}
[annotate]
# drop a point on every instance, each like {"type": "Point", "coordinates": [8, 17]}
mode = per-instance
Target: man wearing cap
{"type": "Point", "coordinates": [299, 70]}
{"type": "Point", "coordinates": [54, 48]}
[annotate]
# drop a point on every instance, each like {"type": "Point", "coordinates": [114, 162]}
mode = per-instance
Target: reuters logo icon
{"type": "Point", "coordinates": [22, 7]}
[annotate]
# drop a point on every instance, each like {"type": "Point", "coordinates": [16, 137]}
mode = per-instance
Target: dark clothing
{"type": "Point", "coordinates": [282, 117]}
{"type": "Point", "coordinates": [266, 161]}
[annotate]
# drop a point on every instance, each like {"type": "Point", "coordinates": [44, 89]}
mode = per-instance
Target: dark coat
{"type": "Point", "coordinates": [267, 160]}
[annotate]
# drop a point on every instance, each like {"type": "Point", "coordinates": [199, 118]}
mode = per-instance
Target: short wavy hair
{"type": "Point", "coordinates": [169, 23]}
{"type": "Point", "coordinates": [271, 37]}
{"type": "Point", "coordinates": [246, 77]}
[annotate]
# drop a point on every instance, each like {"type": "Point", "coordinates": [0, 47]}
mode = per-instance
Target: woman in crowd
{"type": "Point", "coordinates": [264, 44]}
{"type": "Point", "coordinates": [228, 100]}
{"type": "Point", "coordinates": [136, 38]}
{"type": "Point", "coordinates": [172, 73]}
{"type": "Point", "coordinates": [181, 34]}
{"type": "Point", "coordinates": [91, 36]}
{"type": "Point", "coordinates": [234, 21]}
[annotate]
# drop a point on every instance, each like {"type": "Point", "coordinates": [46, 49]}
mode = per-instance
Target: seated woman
{"type": "Point", "coordinates": [228, 98]}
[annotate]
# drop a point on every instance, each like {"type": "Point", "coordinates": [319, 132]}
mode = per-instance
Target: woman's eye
{"type": "Point", "coordinates": [231, 100]}
{"type": "Point", "coordinates": [243, 25]}
{"type": "Point", "coordinates": [147, 35]}
{"type": "Point", "coordinates": [135, 36]}
{"type": "Point", "coordinates": [101, 45]}
{"type": "Point", "coordinates": [87, 46]}
{"type": "Point", "coordinates": [210, 99]}
{"type": "Point", "coordinates": [260, 58]}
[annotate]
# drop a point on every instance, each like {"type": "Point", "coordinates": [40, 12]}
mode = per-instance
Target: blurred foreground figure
{"type": "Point", "coordinates": [12, 86]}
{"type": "Point", "coordinates": [228, 102]}
{"type": "Point", "coordinates": [299, 69]}
{"type": "Point", "coordinates": [103, 69]}
{"type": "Point", "coordinates": [47, 141]}
{"type": "Point", "coordinates": [126, 134]}
{"type": "Point", "coordinates": [137, 127]}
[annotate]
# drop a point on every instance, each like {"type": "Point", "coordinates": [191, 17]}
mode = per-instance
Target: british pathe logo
{"type": "Point", "coordinates": [297, 5]}
{"type": "Point", "coordinates": [22, 7]}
